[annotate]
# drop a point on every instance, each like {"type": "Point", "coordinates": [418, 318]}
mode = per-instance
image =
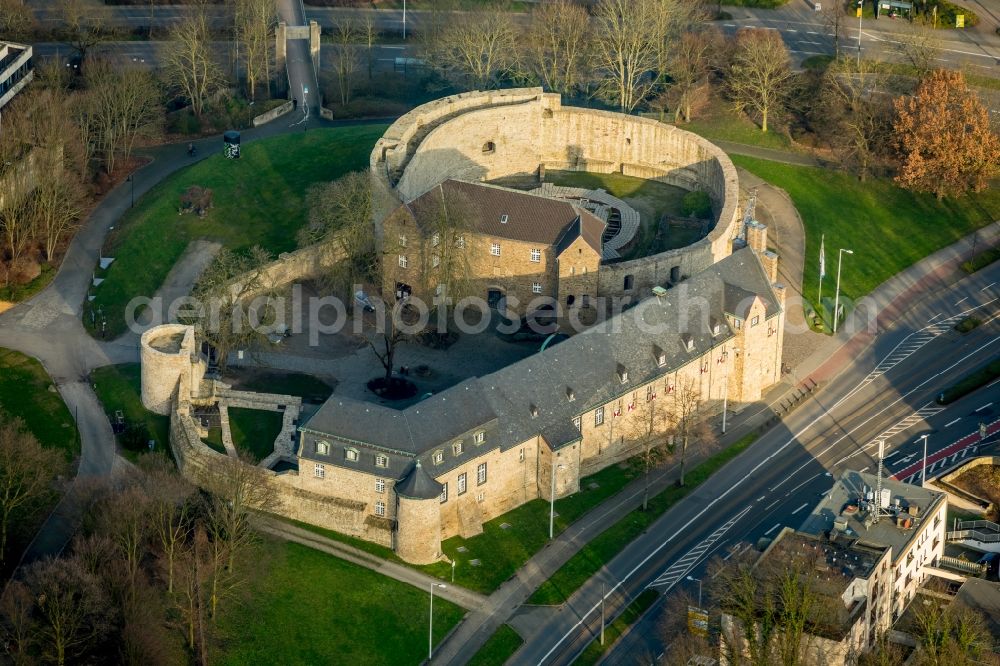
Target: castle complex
{"type": "Point", "coordinates": [703, 324]}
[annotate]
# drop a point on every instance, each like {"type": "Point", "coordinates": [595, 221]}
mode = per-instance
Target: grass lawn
{"type": "Point", "coordinates": [721, 123]}
{"type": "Point", "coordinates": [27, 391]}
{"type": "Point", "coordinates": [888, 228]}
{"type": "Point", "coordinates": [119, 387]}
{"type": "Point", "coordinates": [651, 199]}
{"type": "Point", "coordinates": [16, 293]}
{"type": "Point", "coordinates": [307, 607]}
{"type": "Point", "coordinates": [609, 543]}
{"type": "Point", "coordinates": [258, 199]}
{"type": "Point", "coordinates": [613, 631]}
{"type": "Point", "coordinates": [502, 552]}
{"type": "Point", "coordinates": [499, 648]}
{"type": "Point", "coordinates": [214, 440]}
{"type": "Point", "coordinates": [254, 430]}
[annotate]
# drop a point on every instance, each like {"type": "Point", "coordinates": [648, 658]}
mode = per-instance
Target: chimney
{"type": "Point", "coordinates": [757, 236]}
{"type": "Point", "coordinates": [770, 261]}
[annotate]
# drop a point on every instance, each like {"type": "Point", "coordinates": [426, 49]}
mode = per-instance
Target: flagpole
{"type": "Point", "coordinates": [822, 272]}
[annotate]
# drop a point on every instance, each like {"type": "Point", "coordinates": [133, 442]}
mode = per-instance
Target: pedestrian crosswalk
{"type": "Point", "coordinates": [908, 346]}
{"type": "Point", "coordinates": [943, 464]}
{"type": "Point", "coordinates": [681, 567]}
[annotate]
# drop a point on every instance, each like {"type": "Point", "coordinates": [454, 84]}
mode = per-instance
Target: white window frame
{"type": "Point", "coordinates": [456, 448]}
{"type": "Point", "coordinates": [495, 249]}
{"type": "Point", "coordinates": [578, 422]}
{"type": "Point", "coordinates": [737, 323]}
{"type": "Point", "coordinates": [381, 460]}
{"type": "Point", "coordinates": [322, 448]}
{"type": "Point", "coordinates": [463, 483]}
{"type": "Point", "coordinates": [481, 474]}
{"type": "Point", "coordinates": [481, 497]}
{"type": "Point", "coordinates": [435, 240]}
{"type": "Point", "coordinates": [536, 287]}
{"type": "Point", "coordinates": [403, 261]}
{"type": "Point", "coordinates": [402, 240]}
{"type": "Point", "coordinates": [479, 437]}
{"type": "Point", "coordinates": [755, 320]}
{"type": "Point", "coordinates": [435, 261]}
{"type": "Point", "coordinates": [438, 457]}
{"type": "Point", "coordinates": [444, 492]}
{"type": "Point", "coordinates": [380, 508]}
{"type": "Point", "coordinates": [520, 456]}
{"type": "Point", "coordinates": [599, 416]}
{"type": "Point", "coordinates": [319, 471]}
{"type": "Point", "coordinates": [380, 485]}
{"type": "Point", "coordinates": [460, 242]}
{"type": "Point", "coordinates": [536, 255]}
{"type": "Point", "coordinates": [351, 454]}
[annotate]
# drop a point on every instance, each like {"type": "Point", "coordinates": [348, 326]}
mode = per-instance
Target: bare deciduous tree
{"type": "Point", "coordinates": [17, 220]}
{"type": "Point", "coordinates": [16, 19]}
{"type": "Point", "coordinates": [690, 429]}
{"type": "Point", "coordinates": [170, 509]}
{"type": "Point", "coordinates": [17, 626]}
{"type": "Point", "coordinates": [855, 111]}
{"type": "Point", "coordinates": [627, 47]}
{"type": "Point", "coordinates": [189, 64]}
{"type": "Point", "coordinates": [223, 318]}
{"type": "Point", "coordinates": [835, 19]}
{"type": "Point", "coordinates": [919, 46]}
{"type": "Point", "coordinates": [83, 25]}
{"type": "Point", "coordinates": [345, 56]}
{"type": "Point", "coordinates": [239, 487]}
{"type": "Point", "coordinates": [558, 44]}
{"type": "Point", "coordinates": [474, 49]}
{"type": "Point", "coordinates": [253, 20]}
{"type": "Point", "coordinates": [649, 428]}
{"type": "Point", "coordinates": [689, 68]}
{"type": "Point", "coordinates": [759, 75]}
{"type": "Point", "coordinates": [950, 635]}
{"type": "Point", "coordinates": [27, 471]}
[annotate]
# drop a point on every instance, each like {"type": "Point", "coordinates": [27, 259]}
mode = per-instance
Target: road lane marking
{"type": "Point", "coordinates": [800, 508]}
{"type": "Point", "coordinates": [989, 404]}
{"type": "Point", "coordinates": [771, 505]}
{"type": "Point", "coordinates": [961, 301]}
{"type": "Point", "coordinates": [761, 498]}
{"type": "Point", "coordinates": [791, 30]}
{"type": "Point", "coordinates": [988, 286]}
{"type": "Point", "coordinates": [951, 423]}
{"type": "Point", "coordinates": [811, 32]}
{"type": "Point", "coordinates": [934, 317]}
{"type": "Point", "coordinates": [772, 529]}
{"type": "Point", "coordinates": [864, 469]}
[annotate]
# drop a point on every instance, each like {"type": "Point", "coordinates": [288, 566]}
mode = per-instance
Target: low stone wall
{"type": "Point", "coordinates": [276, 112]}
{"type": "Point", "coordinates": [289, 267]}
{"type": "Point", "coordinates": [200, 464]}
{"type": "Point", "coordinates": [289, 406]}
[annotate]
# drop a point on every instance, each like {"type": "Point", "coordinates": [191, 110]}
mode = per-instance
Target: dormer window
{"type": "Point", "coordinates": [351, 454]}
{"type": "Point", "coordinates": [688, 342]}
{"type": "Point", "coordinates": [504, 219]}
{"type": "Point", "coordinates": [715, 325]}
{"type": "Point", "coordinates": [435, 240]}
{"type": "Point", "coordinates": [660, 356]}
{"type": "Point", "coordinates": [622, 374]}
{"type": "Point", "coordinates": [570, 394]}
{"type": "Point", "coordinates": [381, 460]}
{"type": "Point", "coordinates": [534, 411]}
{"type": "Point", "coordinates": [456, 448]}
{"type": "Point", "coordinates": [323, 448]}
{"type": "Point", "coordinates": [438, 457]}
{"type": "Point", "coordinates": [479, 437]}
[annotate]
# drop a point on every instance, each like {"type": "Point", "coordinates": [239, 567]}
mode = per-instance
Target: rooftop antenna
{"type": "Point", "coordinates": [880, 510]}
{"type": "Point", "coordinates": [748, 213]}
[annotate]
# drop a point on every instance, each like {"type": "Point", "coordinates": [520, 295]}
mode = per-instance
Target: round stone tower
{"type": "Point", "coordinates": [418, 517]}
{"type": "Point", "coordinates": [166, 354]}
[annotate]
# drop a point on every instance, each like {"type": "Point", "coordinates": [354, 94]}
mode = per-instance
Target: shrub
{"type": "Point", "coordinates": [697, 204]}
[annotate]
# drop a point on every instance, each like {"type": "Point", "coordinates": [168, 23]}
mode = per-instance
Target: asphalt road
{"type": "Point", "coordinates": [785, 472]}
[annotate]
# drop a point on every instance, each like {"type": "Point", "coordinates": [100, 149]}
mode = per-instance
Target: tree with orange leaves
{"type": "Point", "coordinates": [943, 135]}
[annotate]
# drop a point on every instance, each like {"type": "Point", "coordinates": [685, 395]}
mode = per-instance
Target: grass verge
{"type": "Point", "coordinates": [258, 199]}
{"type": "Point", "coordinates": [968, 324]}
{"type": "Point", "coordinates": [887, 227]}
{"type": "Point", "coordinates": [981, 260]}
{"type": "Point", "coordinates": [721, 123]}
{"type": "Point", "coordinates": [595, 651]}
{"type": "Point", "coordinates": [119, 387]}
{"type": "Point", "coordinates": [308, 607]}
{"type": "Point", "coordinates": [498, 649]}
{"type": "Point", "coordinates": [970, 383]}
{"type": "Point", "coordinates": [27, 391]}
{"type": "Point", "coordinates": [254, 430]}
{"type": "Point", "coordinates": [589, 559]}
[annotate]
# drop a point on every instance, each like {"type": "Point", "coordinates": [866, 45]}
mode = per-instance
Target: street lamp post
{"type": "Point", "coordinates": [552, 500]}
{"type": "Point", "coordinates": [430, 624]}
{"type": "Point", "coordinates": [604, 595]}
{"type": "Point", "coordinates": [836, 300]}
{"type": "Point", "coordinates": [861, 5]}
{"type": "Point", "coordinates": [696, 580]}
{"type": "Point", "coordinates": [404, 20]}
{"type": "Point", "coordinates": [923, 469]}
{"type": "Point", "coordinates": [131, 185]}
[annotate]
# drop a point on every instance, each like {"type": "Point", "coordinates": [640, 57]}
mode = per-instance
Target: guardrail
{"type": "Point", "coordinates": [962, 565]}
{"type": "Point", "coordinates": [973, 535]}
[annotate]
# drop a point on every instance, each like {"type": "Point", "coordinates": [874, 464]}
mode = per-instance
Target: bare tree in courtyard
{"type": "Point", "coordinates": [558, 44]}
{"type": "Point", "coordinates": [759, 75]}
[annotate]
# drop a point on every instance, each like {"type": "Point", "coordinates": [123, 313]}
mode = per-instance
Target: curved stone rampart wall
{"type": "Point", "coordinates": [484, 136]}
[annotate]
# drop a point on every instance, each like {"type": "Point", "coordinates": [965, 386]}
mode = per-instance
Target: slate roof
{"type": "Point", "coordinates": [587, 365]}
{"type": "Point", "coordinates": [418, 484]}
{"type": "Point", "coordinates": [530, 218]}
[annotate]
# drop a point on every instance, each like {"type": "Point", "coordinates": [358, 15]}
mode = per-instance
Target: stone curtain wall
{"type": "Point", "coordinates": [483, 136]}
{"type": "Point", "coordinates": [276, 112]}
{"type": "Point", "coordinates": [294, 266]}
